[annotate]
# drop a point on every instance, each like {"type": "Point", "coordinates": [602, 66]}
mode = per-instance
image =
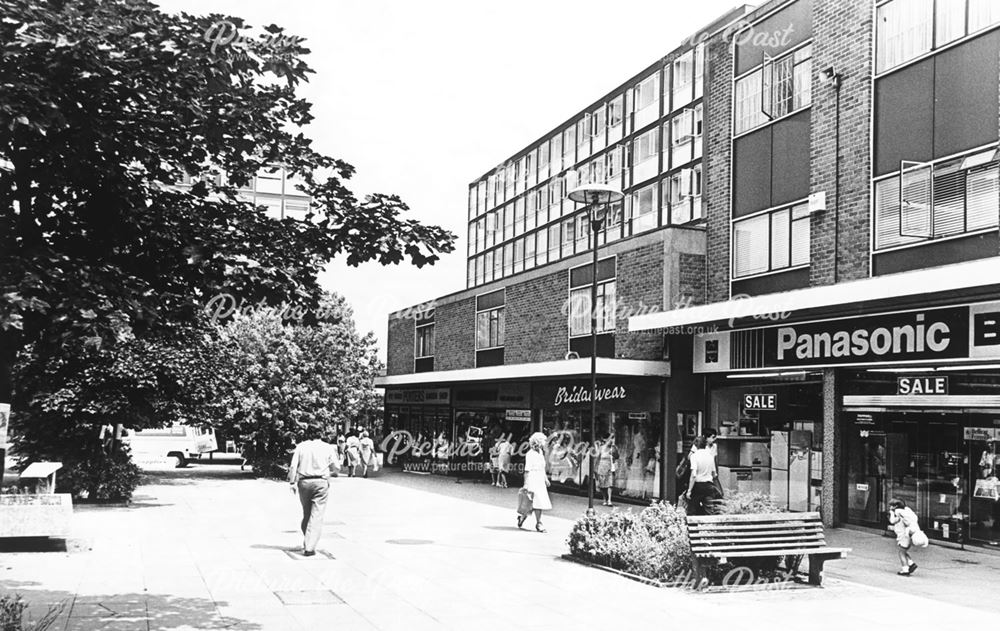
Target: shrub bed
{"type": "Point", "coordinates": [653, 543]}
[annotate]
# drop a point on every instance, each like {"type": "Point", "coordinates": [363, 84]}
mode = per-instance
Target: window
{"type": "Point", "coordinates": [508, 222]}
{"type": "Point", "coordinates": [645, 150]}
{"type": "Point", "coordinates": [518, 216]}
{"type": "Point", "coordinates": [569, 147]}
{"type": "Point", "coordinates": [582, 232]}
{"type": "Point", "coordinates": [583, 138]}
{"type": "Point", "coordinates": [554, 242]}
{"type": "Point", "coordinates": [771, 241]}
{"type": "Point", "coordinates": [472, 202]}
{"type": "Point", "coordinates": [613, 224]}
{"type": "Point", "coordinates": [646, 99]}
{"type": "Point", "coordinates": [940, 200]}
{"type": "Point", "coordinates": [269, 182]}
{"type": "Point", "coordinates": [490, 267]}
{"type": "Point", "coordinates": [643, 210]}
{"type": "Point", "coordinates": [903, 32]}
{"type": "Point", "coordinates": [470, 275]}
{"type": "Point", "coordinates": [296, 209]}
{"type": "Point", "coordinates": [543, 161]}
{"type": "Point", "coordinates": [542, 250]}
{"type": "Point", "coordinates": [983, 13]}
{"type": "Point", "coordinates": [492, 228]}
{"type": "Point", "coordinates": [425, 341]}
{"type": "Point", "coordinates": [529, 251]}
{"type": "Point", "coordinates": [510, 180]}
{"type": "Point", "coordinates": [616, 110]}
{"type": "Point", "coordinates": [498, 263]}
{"type": "Point", "coordinates": [579, 309]}
{"type": "Point", "coordinates": [685, 136]}
{"type": "Point", "coordinates": [779, 87]}
{"type": "Point", "coordinates": [529, 170]}
{"type": "Point", "coordinates": [508, 259]}
{"type": "Point", "coordinates": [613, 164]}
{"type": "Point", "coordinates": [518, 256]}
{"type": "Point", "coordinates": [556, 154]}
{"type": "Point", "coordinates": [490, 328]}
{"type": "Point", "coordinates": [699, 71]}
{"type": "Point", "coordinates": [568, 236]}
{"type": "Point", "coordinates": [949, 21]}
{"type": "Point", "coordinates": [481, 193]}
{"type": "Point", "coordinates": [684, 195]}
{"type": "Point", "coordinates": [531, 210]}
{"type": "Point", "coordinates": [683, 79]}
{"type": "Point", "coordinates": [598, 128]}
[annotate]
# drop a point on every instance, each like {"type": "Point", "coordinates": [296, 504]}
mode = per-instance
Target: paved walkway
{"type": "Point", "coordinates": [208, 548]}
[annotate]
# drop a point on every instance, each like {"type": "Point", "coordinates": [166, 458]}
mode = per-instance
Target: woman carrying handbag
{"type": "Point", "coordinates": [536, 483]}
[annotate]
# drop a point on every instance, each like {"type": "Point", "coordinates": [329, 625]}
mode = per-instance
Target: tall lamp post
{"type": "Point", "coordinates": [598, 197]}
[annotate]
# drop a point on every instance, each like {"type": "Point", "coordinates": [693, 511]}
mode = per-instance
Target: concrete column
{"type": "Point", "coordinates": [833, 478]}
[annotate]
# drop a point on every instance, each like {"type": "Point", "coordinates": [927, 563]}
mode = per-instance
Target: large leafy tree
{"type": "Point", "coordinates": [288, 376]}
{"type": "Point", "coordinates": [103, 105]}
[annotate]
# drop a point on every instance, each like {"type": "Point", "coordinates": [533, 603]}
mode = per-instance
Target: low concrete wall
{"type": "Point", "coordinates": [26, 515]}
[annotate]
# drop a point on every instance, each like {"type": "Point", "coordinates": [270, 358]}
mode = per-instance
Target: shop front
{"type": "Point", "coordinates": [930, 439]}
{"type": "Point", "coordinates": [629, 413]}
{"type": "Point", "coordinates": [910, 397]}
{"type": "Point", "coordinates": [485, 414]}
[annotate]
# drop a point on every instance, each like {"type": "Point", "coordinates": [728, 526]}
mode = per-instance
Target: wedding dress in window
{"type": "Point", "coordinates": [635, 485]}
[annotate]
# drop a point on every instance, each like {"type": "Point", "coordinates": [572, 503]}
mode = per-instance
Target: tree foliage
{"type": "Point", "coordinates": [288, 377]}
{"type": "Point", "coordinates": [104, 266]}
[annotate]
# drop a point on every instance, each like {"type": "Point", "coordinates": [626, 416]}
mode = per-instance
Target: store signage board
{"type": "Point", "coordinates": [436, 396]}
{"type": "Point", "coordinates": [921, 385]}
{"type": "Point", "coordinates": [980, 433]}
{"type": "Point", "coordinates": [945, 334]}
{"type": "Point", "coordinates": [760, 402]}
{"type": "Point", "coordinates": [518, 415]}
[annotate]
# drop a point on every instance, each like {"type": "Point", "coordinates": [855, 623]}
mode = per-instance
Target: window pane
{"type": "Point", "coordinates": [519, 256]}
{"type": "Point", "coordinates": [780, 235]}
{"type": "Point", "coordinates": [904, 32]}
{"type": "Point", "coordinates": [983, 13]}
{"type": "Point", "coordinates": [750, 245]}
{"type": "Point", "coordinates": [529, 251]}
{"type": "Point", "coordinates": [748, 114]}
{"type": "Point", "coordinates": [483, 329]}
{"type": "Point", "coordinates": [949, 199]}
{"type": "Point", "coordinates": [579, 311]}
{"type": "Point", "coordinates": [950, 24]}
{"type": "Point", "coordinates": [501, 329]}
{"type": "Point", "coordinates": [802, 82]}
{"type": "Point", "coordinates": [983, 197]}
{"type": "Point", "coordinates": [542, 251]}
{"type": "Point", "coordinates": [554, 242]}
{"type": "Point", "coordinates": [781, 86]}
{"type": "Point", "coordinates": [682, 79]}
{"type": "Point", "coordinates": [508, 259]}
{"type": "Point", "coordinates": [800, 239]}
{"type": "Point", "coordinates": [606, 307]}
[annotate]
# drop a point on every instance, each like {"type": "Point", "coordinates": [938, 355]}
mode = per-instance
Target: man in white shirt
{"type": "Point", "coordinates": [313, 462]}
{"type": "Point", "coordinates": [701, 486]}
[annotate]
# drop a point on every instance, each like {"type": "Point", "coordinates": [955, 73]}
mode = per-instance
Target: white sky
{"type": "Point", "coordinates": [424, 97]}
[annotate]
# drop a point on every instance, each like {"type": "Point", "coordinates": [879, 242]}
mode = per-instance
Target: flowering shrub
{"type": "Point", "coordinates": [653, 543]}
{"type": "Point", "coordinates": [13, 618]}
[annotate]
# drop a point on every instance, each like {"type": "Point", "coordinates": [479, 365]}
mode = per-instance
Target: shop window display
{"type": "Point", "coordinates": [636, 437]}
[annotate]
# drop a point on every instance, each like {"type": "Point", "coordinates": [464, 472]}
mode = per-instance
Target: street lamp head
{"type": "Point", "coordinates": [595, 194]}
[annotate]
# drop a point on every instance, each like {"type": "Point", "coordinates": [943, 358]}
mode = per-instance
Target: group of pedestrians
{"type": "Point", "coordinates": [500, 457]}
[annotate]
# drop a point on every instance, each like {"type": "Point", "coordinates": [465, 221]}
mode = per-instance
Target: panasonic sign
{"type": "Point", "coordinates": [949, 334]}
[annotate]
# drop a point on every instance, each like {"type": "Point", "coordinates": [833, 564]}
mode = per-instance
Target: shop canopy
{"type": "Point", "coordinates": [945, 284]}
{"type": "Point", "coordinates": [578, 368]}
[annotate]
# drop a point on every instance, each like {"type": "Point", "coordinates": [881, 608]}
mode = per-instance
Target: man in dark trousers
{"type": "Point", "coordinates": [313, 463]}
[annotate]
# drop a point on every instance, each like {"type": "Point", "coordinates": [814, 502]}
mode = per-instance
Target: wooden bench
{"type": "Point", "coordinates": [725, 538]}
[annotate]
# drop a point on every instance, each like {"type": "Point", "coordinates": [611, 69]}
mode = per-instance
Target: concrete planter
{"type": "Point", "coordinates": [36, 515]}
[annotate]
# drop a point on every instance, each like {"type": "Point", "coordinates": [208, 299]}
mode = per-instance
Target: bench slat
{"type": "Point", "coordinates": [773, 517]}
{"type": "Point", "coordinates": [763, 547]}
{"type": "Point", "coordinates": [729, 532]}
{"type": "Point", "coordinates": [787, 525]}
{"type": "Point", "coordinates": [832, 552]}
{"type": "Point", "coordinates": [707, 542]}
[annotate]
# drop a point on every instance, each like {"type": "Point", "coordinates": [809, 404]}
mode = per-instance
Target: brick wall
{"type": "Point", "coordinates": [717, 165]}
{"type": "Point", "coordinates": [399, 354]}
{"type": "Point", "coordinates": [842, 38]}
{"type": "Point", "coordinates": [639, 285]}
{"type": "Point", "coordinates": [692, 278]}
{"type": "Point", "coordinates": [455, 334]}
{"type": "Point", "coordinates": [537, 326]}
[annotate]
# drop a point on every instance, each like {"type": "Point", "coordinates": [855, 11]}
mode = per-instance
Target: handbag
{"type": "Point", "coordinates": [525, 502]}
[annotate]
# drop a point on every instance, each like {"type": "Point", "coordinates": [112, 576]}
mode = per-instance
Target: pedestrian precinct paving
{"type": "Point", "coordinates": [211, 548]}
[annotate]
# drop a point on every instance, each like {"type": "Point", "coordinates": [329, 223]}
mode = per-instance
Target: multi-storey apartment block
{"type": "Point", "coordinates": [807, 260]}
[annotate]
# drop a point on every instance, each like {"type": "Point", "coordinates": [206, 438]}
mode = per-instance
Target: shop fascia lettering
{"type": "Point", "coordinates": [578, 394]}
{"type": "Point", "coordinates": [918, 337]}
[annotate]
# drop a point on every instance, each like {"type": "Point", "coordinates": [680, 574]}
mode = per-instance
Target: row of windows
{"type": "Point", "coordinates": [777, 87]}
{"type": "Point", "coordinates": [491, 323]}
{"type": "Point", "coordinates": [546, 203]}
{"type": "Point", "coordinates": [771, 241]}
{"type": "Point", "coordinates": [607, 124]}
{"type": "Point", "coordinates": [679, 197]}
{"type": "Point", "coordinates": [907, 29]}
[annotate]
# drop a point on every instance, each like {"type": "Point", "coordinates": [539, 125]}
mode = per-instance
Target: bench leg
{"type": "Point", "coordinates": [816, 570]}
{"type": "Point", "coordinates": [700, 573]}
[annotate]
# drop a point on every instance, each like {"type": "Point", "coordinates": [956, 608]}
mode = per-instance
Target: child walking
{"type": "Point", "coordinates": [904, 523]}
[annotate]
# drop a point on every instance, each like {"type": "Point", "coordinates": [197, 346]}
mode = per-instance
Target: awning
{"type": "Point", "coordinates": [944, 279]}
{"type": "Point", "coordinates": [606, 367]}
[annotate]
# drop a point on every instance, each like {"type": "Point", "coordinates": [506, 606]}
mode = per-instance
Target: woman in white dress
{"type": "Point", "coordinates": [535, 480]}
